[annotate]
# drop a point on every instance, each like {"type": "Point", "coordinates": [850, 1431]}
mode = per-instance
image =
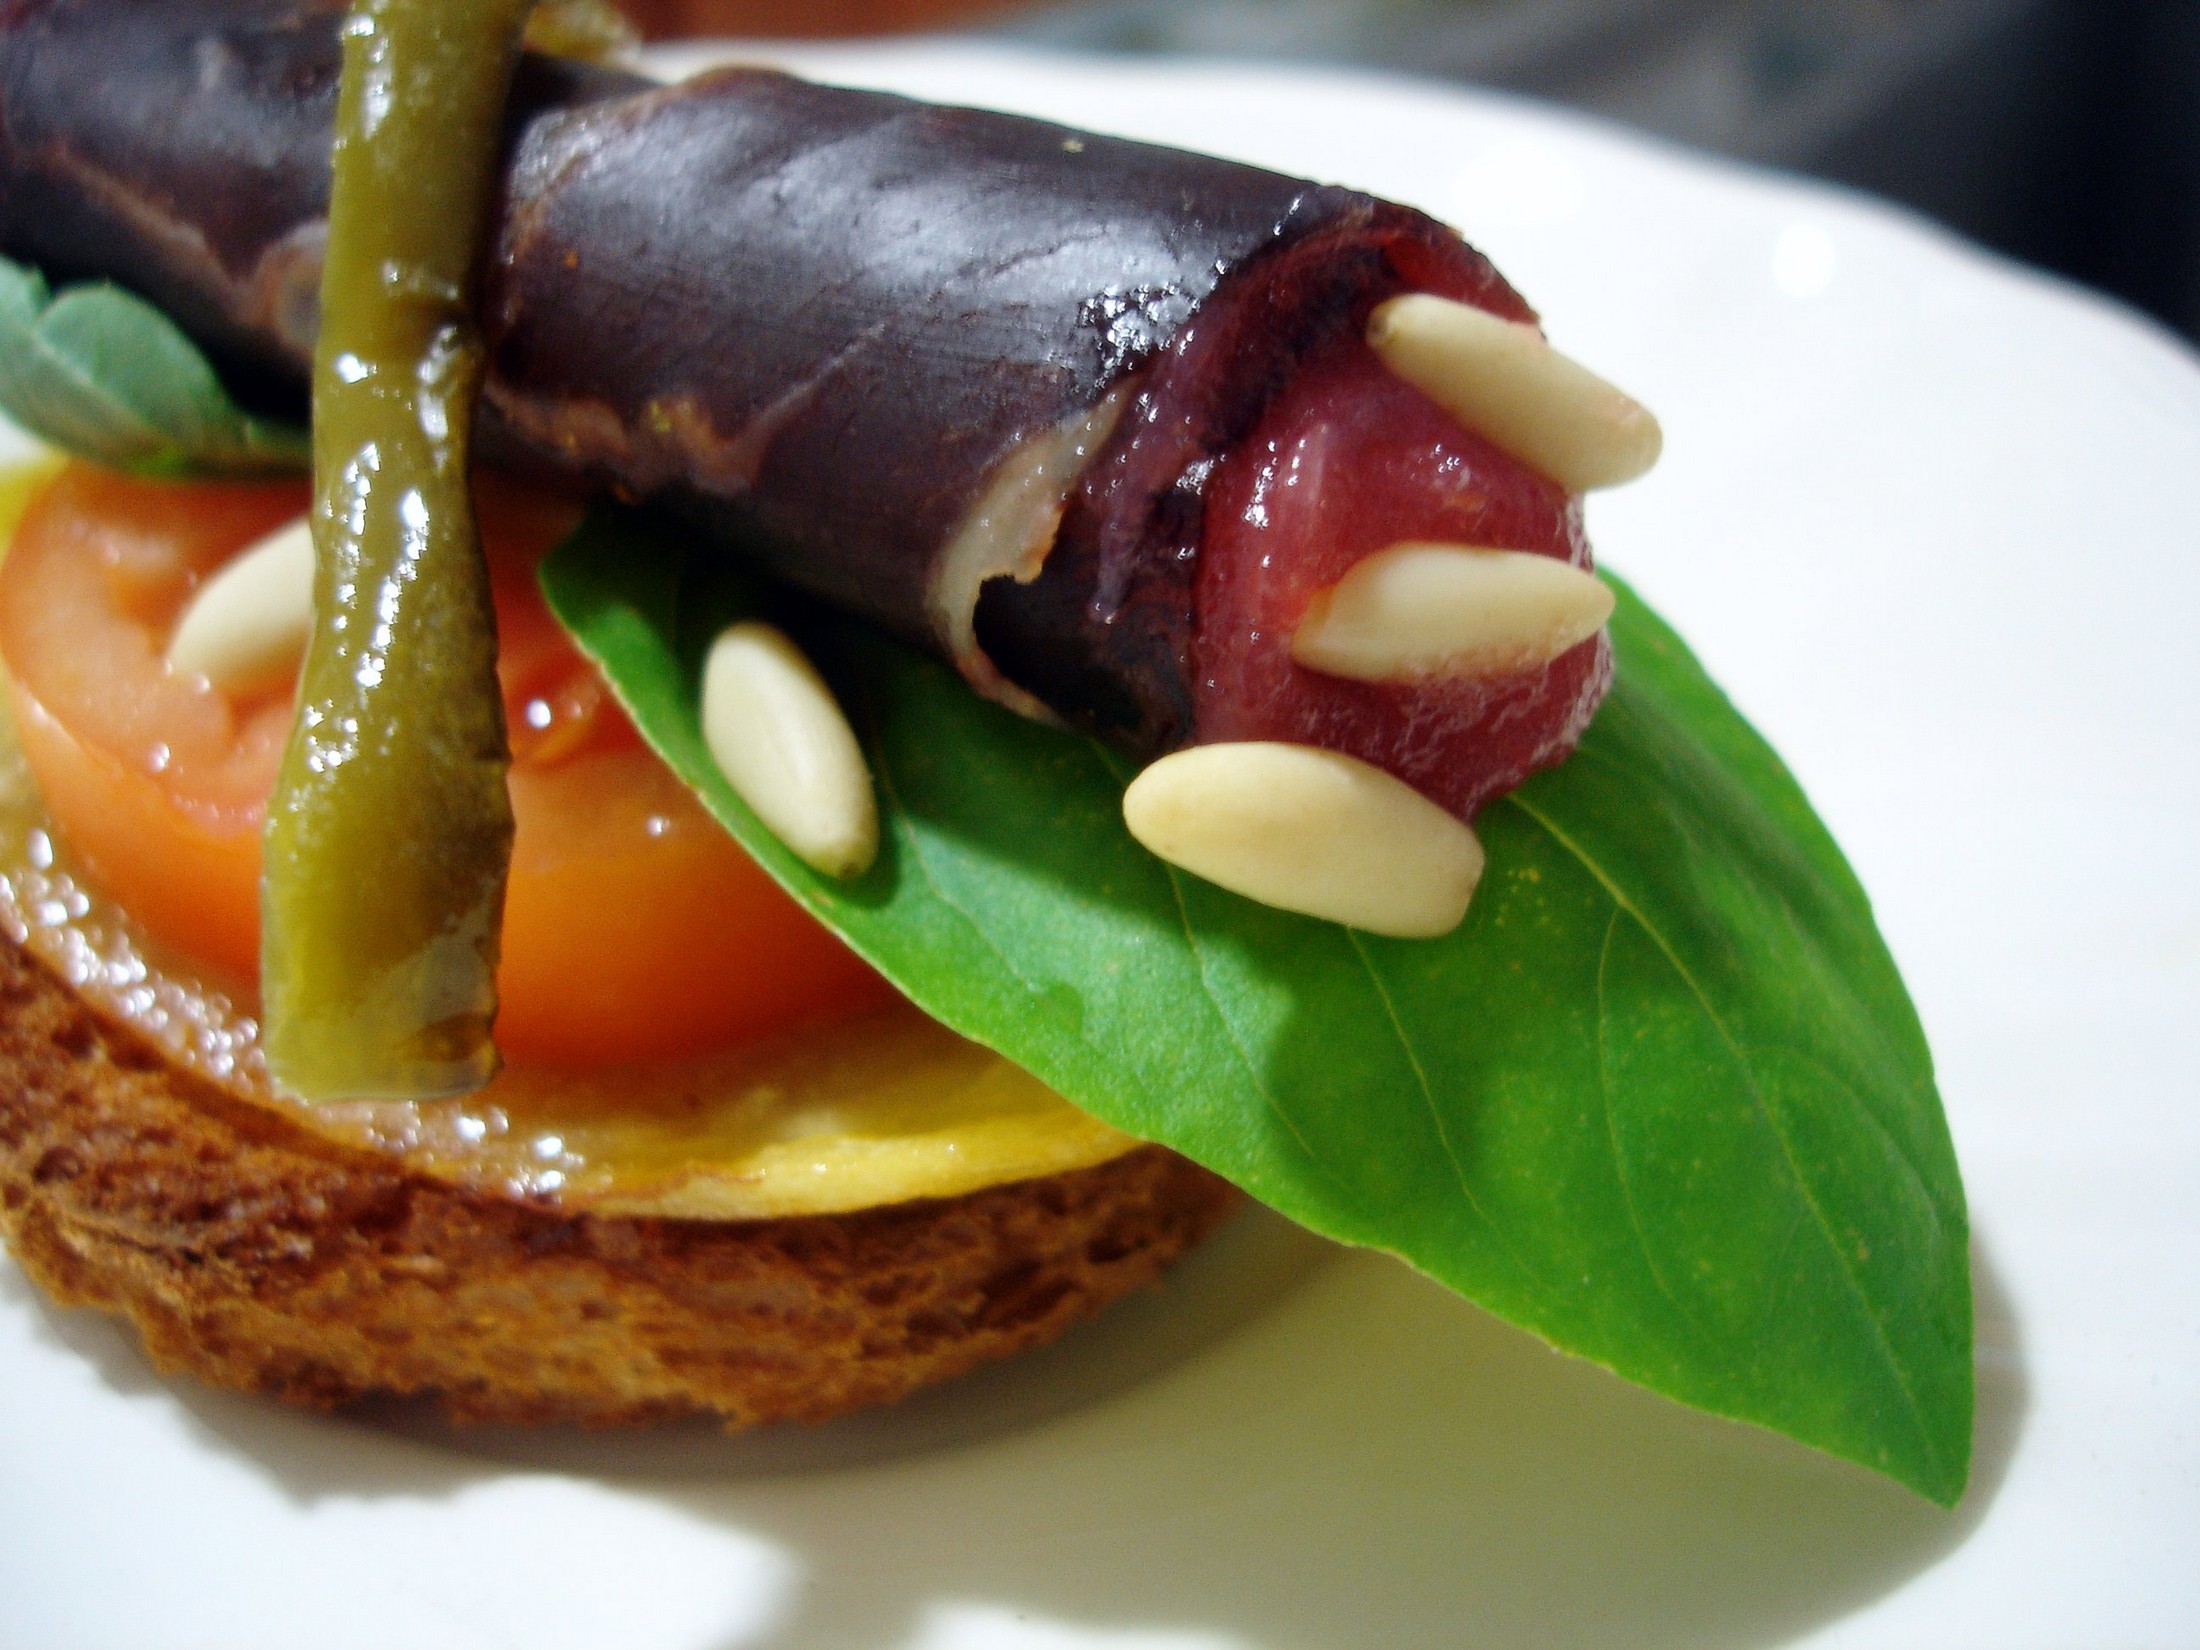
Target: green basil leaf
{"type": "Point", "coordinates": [1661, 1099]}
{"type": "Point", "coordinates": [99, 372]}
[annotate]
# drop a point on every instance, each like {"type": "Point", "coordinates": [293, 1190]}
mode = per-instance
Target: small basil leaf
{"type": "Point", "coordinates": [1661, 1099]}
{"type": "Point", "coordinates": [99, 372]}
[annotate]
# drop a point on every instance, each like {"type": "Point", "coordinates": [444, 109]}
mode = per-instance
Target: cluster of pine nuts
{"type": "Point", "coordinates": [1292, 826]}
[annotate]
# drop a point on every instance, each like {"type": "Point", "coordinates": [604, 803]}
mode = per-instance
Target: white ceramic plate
{"type": "Point", "coordinates": [1936, 523]}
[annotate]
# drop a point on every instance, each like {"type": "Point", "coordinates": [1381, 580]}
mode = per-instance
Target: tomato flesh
{"type": "Point", "coordinates": [1349, 460]}
{"type": "Point", "coordinates": [635, 928]}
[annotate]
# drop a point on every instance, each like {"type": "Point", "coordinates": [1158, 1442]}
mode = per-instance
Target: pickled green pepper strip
{"type": "Point", "coordinates": [389, 833]}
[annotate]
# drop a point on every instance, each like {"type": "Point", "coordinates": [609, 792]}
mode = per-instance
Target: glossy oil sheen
{"type": "Point", "coordinates": [389, 834]}
{"type": "Point", "coordinates": [882, 1109]}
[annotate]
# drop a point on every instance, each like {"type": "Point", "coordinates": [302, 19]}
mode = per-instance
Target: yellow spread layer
{"type": "Point", "coordinates": [873, 1111]}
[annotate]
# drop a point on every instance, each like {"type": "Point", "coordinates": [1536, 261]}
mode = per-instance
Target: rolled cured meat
{"type": "Point", "coordinates": [1092, 419]}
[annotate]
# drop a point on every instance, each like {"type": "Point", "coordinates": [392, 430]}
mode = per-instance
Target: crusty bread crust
{"type": "Point", "coordinates": [251, 1253]}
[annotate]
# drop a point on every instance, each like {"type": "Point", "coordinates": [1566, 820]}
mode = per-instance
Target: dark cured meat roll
{"type": "Point", "coordinates": [872, 342]}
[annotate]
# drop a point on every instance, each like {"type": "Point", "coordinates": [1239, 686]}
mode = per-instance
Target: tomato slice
{"type": "Point", "coordinates": [635, 928]}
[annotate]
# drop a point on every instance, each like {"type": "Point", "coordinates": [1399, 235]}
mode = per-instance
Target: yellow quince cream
{"type": "Point", "coordinates": [886, 1108]}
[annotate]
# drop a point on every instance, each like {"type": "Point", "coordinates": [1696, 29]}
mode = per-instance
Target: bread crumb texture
{"type": "Point", "coordinates": [255, 1255]}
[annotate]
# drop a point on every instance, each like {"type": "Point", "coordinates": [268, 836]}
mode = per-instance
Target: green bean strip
{"type": "Point", "coordinates": [389, 834]}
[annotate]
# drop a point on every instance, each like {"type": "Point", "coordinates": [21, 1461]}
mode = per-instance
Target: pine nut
{"type": "Point", "coordinates": [246, 627]}
{"type": "Point", "coordinates": [1308, 830]}
{"type": "Point", "coordinates": [1419, 610]}
{"type": "Point", "coordinates": [779, 737]}
{"type": "Point", "coordinates": [1503, 381]}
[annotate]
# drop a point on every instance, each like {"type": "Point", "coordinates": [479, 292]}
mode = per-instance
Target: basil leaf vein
{"type": "Point", "coordinates": [1661, 1099]}
{"type": "Point", "coordinates": [1623, 909]}
{"type": "Point", "coordinates": [101, 373]}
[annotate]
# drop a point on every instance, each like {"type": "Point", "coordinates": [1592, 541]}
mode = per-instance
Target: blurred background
{"type": "Point", "coordinates": [2062, 132]}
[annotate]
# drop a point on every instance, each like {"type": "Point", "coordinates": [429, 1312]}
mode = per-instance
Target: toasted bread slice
{"type": "Point", "coordinates": [255, 1255]}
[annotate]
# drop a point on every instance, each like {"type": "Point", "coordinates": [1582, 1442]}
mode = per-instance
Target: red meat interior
{"type": "Point", "coordinates": [1349, 460]}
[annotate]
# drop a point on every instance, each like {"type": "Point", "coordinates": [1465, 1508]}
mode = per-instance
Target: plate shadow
{"type": "Point", "coordinates": [1286, 1445]}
